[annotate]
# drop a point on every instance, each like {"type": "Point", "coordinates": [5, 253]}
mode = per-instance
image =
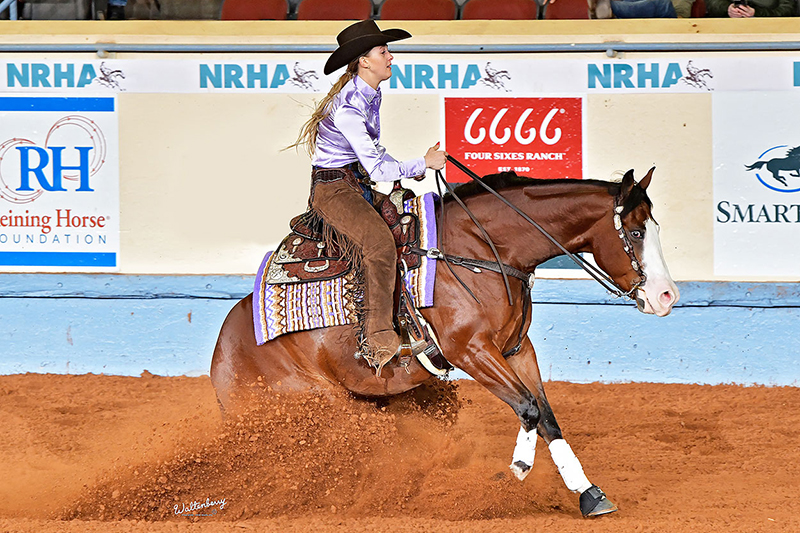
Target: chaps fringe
{"type": "Point", "coordinates": [352, 253]}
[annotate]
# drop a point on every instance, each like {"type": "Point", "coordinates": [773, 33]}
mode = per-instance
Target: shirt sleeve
{"type": "Point", "coordinates": [373, 157]}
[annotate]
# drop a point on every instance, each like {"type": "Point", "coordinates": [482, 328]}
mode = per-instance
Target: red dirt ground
{"type": "Point", "coordinates": [102, 453]}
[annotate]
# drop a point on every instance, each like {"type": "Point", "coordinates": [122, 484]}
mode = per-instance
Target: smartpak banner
{"type": "Point", "coordinates": [756, 184]}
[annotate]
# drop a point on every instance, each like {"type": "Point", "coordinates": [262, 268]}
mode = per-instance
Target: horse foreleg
{"type": "Point", "coordinates": [593, 501]}
{"type": "Point", "coordinates": [482, 360]}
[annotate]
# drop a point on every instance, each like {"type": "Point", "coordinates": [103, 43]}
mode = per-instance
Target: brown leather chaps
{"type": "Point", "coordinates": [337, 197]}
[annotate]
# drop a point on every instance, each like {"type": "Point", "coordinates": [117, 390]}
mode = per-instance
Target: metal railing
{"type": "Point", "coordinates": [609, 48]}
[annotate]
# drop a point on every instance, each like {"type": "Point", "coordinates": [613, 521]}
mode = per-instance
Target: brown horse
{"type": "Point", "coordinates": [474, 335]}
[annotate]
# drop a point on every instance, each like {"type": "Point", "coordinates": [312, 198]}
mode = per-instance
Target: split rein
{"type": "Point", "coordinates": [498, 266]}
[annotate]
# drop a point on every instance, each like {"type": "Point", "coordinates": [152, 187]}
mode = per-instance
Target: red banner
{"type": "Point", "coordinates": [535, 137]}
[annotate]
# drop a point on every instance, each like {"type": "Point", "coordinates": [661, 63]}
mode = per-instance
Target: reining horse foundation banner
{"type": "Point", "coordinates": [284, 308]}
{"type": "Point", "coordinates": [59, 184]}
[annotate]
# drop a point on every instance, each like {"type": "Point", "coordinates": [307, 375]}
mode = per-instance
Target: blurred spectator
{"type": "Point", "coordinates": [116, 9]}
{"type": "Point", "coordinates": [683, 8]}
{"type": "Point", "coordinates": [751, 8]}
{"type": "Point", "coordinates": [631, 9]}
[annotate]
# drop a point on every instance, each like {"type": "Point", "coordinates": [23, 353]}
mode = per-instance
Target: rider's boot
{"type": "Point", "coordinates": [385, 345]}
{"type": "Point", "coordinates": [382, 341]}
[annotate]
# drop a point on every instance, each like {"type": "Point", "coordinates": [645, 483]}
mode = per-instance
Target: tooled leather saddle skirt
{"type": "Point", "coordinates": [305, 256]}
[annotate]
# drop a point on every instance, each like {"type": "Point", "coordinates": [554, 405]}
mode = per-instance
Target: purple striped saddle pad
{"type": "Point", "coordinates": [308, 284]}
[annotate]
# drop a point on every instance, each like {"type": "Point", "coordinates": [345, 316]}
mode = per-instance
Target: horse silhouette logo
{"type": "Point", "coordinates": [302, 78]}
{"type": "Point", "coordinates": [110, 77]}
{"type": "Point", "coordinates": [494, 77]}
{"type": "Point", "coordinates": [696, 77]}
{"type": "Point", "coordinates": [790, 164]}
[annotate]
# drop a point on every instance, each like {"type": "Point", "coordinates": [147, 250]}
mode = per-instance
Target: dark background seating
{"type": "Point", "coordinates": [316, 9]}
{"type": "Point", "coordinates": [254, 10]}
{"type": "Point", "coordinates": [418, 10]}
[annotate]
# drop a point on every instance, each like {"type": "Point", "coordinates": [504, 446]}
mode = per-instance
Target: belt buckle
{"type": "Point", "coordinates": [366, 180]}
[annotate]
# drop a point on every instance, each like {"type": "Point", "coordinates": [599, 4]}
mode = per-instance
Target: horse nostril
{"type": "Point", "coordinates": [666, 297]}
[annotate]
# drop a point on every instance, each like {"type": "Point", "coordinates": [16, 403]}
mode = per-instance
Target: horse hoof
{"type": "Point", "coordinates": [594, 502]}
{"type": "Point", "coordinates": [520, 469]}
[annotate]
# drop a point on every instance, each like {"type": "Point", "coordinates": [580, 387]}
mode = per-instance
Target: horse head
{"type": "Point", "coordinates": [628, 248]}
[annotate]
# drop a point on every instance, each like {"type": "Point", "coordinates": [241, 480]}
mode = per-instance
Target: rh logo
{"type": "Point", "coordinates": [27, 170]}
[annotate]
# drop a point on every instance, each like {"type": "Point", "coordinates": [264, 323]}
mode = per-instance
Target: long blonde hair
{"type": "Point", "coordinates": [307, 139]}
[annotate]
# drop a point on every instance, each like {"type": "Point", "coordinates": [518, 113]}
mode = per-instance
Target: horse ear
{"type": "Point", "coordinates": [627, 183]}
{"type": "Point", "coordinates": [646, 180]}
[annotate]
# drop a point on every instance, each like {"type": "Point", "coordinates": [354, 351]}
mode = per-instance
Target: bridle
{"type": "Point", "coordinates": [598, 275]}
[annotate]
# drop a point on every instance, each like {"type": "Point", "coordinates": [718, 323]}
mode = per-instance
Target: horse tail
{"type": "Point", "coordinates": [757, 164]}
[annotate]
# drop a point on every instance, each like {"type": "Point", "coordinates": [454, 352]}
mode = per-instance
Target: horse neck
{"type": "Point", "coordinates": [566, 210]}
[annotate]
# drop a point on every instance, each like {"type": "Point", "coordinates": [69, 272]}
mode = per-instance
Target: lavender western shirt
{"type": "Point", "coordinates": [352, 131]}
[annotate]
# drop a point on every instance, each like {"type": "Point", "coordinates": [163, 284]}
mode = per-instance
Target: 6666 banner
{"type": "Point", "coordinates": [535, 137]}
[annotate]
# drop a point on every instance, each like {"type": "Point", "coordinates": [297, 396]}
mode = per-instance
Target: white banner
{"type": "Point", "coordinates": [756, 184]}
{"type": "Point", "coordinates": [59, 184]}
{"type": "Point", "coordinates": [411, 73]}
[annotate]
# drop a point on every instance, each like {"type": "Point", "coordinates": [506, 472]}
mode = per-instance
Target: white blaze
{"type": "Point", "coordinates": [659, 292]}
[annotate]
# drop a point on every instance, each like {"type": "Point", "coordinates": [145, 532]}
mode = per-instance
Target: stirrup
{"type": "Point", "coordinates": [406, 351]}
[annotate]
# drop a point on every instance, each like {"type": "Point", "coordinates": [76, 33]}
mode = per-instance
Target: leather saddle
{"type": "Point", "coordinates": [304, 256]}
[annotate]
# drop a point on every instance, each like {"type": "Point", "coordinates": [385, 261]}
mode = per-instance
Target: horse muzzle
{"type": "Point", "coordinates": [665, 300]}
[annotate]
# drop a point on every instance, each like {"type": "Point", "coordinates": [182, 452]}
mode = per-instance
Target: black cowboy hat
{"type": "Point", "coordinates": [359, 38]}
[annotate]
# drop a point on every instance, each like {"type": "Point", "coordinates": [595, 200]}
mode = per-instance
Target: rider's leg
{"type": "Point", "coordinates": [341, 206]}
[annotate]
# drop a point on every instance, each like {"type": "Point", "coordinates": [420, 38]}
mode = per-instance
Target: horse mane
{"type": "Point", "coordinates": [794, 152]}
{"type": "Point", "coordinates": [506, 180]}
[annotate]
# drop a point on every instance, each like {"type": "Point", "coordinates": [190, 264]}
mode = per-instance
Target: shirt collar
{"type": "Point", "coordinates": [371, 95]}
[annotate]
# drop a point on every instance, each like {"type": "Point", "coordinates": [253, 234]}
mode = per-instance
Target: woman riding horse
{"type": "Point", "coordinates": [343, 136]}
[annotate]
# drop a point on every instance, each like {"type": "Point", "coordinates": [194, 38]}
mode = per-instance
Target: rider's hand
{"type": "Point", "coordinates": [435, 158]}
{"type": "Point", "coordinates": [740, 11]}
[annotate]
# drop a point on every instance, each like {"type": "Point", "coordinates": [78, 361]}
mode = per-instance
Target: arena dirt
{"type": "Point", "coordinates": [104, 453]}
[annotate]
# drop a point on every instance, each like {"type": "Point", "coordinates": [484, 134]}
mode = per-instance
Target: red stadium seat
{"type": "Point", "coordinates": [418, 10]}
{"type": "Point", "coordinates": [334, 10]}
{"type": "Point", "coordinates": [567, 10]}
{"type": "Point", "coordinates": [254, 10]}
{"type": "Point", "coordinates": [499, 10]}
{"type": "Point", "coordinates": [698, 9]}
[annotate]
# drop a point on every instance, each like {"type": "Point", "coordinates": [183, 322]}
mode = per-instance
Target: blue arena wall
{"type": "Point", "coordinates": [720, 332]}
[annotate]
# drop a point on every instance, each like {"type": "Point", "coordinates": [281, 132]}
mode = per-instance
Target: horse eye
{"type": "Point", "coordinates": [637, 234]}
